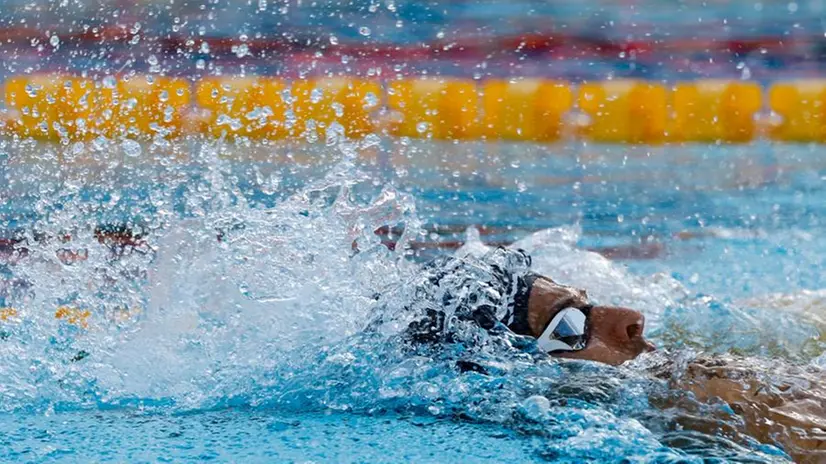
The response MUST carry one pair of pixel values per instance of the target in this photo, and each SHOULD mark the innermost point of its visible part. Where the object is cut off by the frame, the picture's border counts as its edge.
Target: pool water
(250, 348)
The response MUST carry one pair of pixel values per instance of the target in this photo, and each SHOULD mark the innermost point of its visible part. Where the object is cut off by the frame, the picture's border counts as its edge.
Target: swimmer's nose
(622, 328)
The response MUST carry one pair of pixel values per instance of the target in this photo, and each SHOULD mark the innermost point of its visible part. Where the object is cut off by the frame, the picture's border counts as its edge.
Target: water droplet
(365, 31)
(334, 134)
(54, 40)
(204, 48)
(371, 140)
(152, 60)
(109, 82)
(242, 50)
(316, 95)
(259, 114)
(77, 148)
(370, 100)
(131, 148)
(333, 40)
(536, 408)
(338, 109)
(422, 127)
(311, 134)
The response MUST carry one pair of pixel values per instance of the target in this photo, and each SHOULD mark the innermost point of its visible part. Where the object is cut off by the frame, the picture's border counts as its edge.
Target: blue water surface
(725, 223)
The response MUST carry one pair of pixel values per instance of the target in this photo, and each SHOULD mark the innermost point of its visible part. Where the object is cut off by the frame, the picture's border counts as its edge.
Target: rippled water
(235, 331)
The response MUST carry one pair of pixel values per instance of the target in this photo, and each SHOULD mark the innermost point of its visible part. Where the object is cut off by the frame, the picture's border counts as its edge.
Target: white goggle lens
(565, 332)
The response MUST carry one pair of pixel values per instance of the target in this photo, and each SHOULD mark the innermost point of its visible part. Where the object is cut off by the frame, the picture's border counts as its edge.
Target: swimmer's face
(615, 335)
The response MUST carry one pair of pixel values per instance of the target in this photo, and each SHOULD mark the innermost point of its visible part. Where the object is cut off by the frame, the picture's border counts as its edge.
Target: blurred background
(652, 39)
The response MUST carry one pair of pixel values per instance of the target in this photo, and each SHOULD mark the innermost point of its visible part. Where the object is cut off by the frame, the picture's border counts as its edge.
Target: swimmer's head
(566, 325)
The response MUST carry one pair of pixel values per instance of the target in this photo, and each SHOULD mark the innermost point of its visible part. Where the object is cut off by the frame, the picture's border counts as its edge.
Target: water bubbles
(260, 114)
(77, 148)
(316, 95)
(271, 185)
(131, 148)
(311, 131)
(370, 140)
(334, 134)
(371, 100)
(204, 48)
(290, 118)
(364, 31)
(109, 82)
(241, 50)
(32, 89)
(54, 41)
(152, 60)
(536, 408)
(168, 114)
(233, 123)
(422, 127)
(333, 40)
(338, 109)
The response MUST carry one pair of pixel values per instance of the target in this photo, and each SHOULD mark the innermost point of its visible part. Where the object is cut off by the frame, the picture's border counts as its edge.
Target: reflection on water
(251, 294)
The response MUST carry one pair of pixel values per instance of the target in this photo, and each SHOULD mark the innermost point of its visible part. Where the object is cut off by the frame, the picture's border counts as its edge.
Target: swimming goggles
(567, 331)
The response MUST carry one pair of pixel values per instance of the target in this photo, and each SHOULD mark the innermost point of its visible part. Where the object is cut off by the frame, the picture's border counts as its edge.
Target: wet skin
(615, 334)
(789, 415)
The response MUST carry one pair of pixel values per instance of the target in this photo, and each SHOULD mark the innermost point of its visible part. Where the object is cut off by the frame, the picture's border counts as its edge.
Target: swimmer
(474, 301)
(498, 293)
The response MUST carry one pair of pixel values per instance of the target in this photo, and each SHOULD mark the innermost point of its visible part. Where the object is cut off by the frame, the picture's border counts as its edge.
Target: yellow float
(442, 109)
(63, 108)
(715, 111)
(142, 106)
(524, 110)
(800, 107)
(623, 111)
(50, 107)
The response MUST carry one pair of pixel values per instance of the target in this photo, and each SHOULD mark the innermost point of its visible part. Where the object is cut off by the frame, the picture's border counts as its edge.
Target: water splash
(233, 304)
